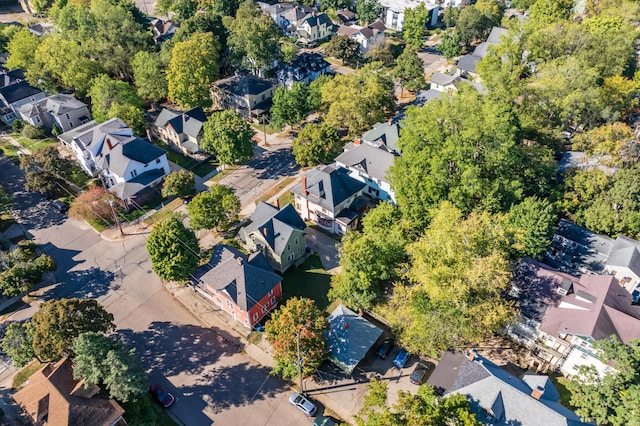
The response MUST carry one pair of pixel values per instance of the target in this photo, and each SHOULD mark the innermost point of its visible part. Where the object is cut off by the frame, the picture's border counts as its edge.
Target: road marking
(259, 389)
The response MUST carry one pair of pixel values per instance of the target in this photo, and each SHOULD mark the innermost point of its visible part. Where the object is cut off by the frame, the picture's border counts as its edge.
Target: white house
(445, 83)
(315, 27)
(65, 111)
(367, 37)
(393, 12)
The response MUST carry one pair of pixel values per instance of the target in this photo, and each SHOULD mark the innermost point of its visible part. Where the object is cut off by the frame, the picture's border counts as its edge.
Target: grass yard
(33, 144)
(9, 150)
(205, 167)
(286, 198)
(146, 411)
(25, 373)
(78, 177)
(260, 129)
(200, 168)
(274, 191)
(560, 383)
(149, 205)
(167, 210)
(223, 173)
(308, 280)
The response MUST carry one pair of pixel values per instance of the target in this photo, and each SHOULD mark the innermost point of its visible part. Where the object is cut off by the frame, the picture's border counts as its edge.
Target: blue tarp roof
(349, 337)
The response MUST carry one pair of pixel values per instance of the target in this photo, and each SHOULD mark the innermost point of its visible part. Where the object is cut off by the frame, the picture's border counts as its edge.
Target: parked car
(385, 348)
(420, 372)
(303, 404)
(60, 206)
(401, 359)
(324, 421)
(162, 396)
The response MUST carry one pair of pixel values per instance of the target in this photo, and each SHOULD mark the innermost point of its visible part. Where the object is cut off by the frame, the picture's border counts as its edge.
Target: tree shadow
(88, 283)
(280, 161)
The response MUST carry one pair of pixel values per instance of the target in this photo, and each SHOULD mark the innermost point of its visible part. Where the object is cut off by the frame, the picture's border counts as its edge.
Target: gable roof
(383, 133)
(314, 19)
(243, 85)
(494, 38)
(349, 337)
(55, 105)
(275, 225)
(8, 78)
(328, 186)
(118, 151)
(52, 393)
(468, 63)
(625, 253)
(371, 161)
(443, 79)
(190, 122)
(18, 91)
(279, 8)
(244, 279)
(488, 387)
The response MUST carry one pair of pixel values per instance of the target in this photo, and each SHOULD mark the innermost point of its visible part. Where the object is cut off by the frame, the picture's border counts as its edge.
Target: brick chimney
(304, 186)
(357, 141)
(537, 392)
(472, 355)
(109, 144)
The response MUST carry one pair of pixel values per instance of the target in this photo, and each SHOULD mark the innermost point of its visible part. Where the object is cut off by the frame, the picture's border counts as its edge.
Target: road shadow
(88, 283)
(270, 163)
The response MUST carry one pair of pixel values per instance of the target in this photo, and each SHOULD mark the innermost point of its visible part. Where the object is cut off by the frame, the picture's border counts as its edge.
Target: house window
(68, 117)
(229, 304)
(291, 256)
(218, 301)
(255, 317)
(157, 161)
(273, 300)
(583, 355)
(266, 304)
(575, 367)
(264, 309)
(271, 292)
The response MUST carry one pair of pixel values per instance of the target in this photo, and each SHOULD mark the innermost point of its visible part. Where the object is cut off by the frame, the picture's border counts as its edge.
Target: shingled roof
(244, 279)
(275, 225)
(367, 159)
(328, 186)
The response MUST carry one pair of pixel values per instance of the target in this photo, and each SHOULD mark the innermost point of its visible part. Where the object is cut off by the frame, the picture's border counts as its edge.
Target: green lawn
(78, 177)
(560, 383)
(9, 150)
(25, 373)
(205, 167)
(146, 411)
(136, 213)
(200, 168)
(33, 144)
(308, 280)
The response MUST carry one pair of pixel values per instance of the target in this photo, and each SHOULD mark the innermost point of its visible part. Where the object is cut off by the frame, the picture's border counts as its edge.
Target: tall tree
(106, 92)
(132, 115)
(92, 205)
(415, 25)
(17, 343)
(203, 22)
(151, 83)
(344, 48)
(44, 168)
(612, 400)
(299, 319)
(194, 66)
(533, 222)
(450, 45)
(57, 323)
(368, 11)
(22, 49)
(216, 208)
(228, 137)
(472, 25)
(253, 38)
(173, 249)
(607, 141)
(316, 143)
(451, 14)
(290, 106)
(180, 183)
(101, 360)
(409, 71)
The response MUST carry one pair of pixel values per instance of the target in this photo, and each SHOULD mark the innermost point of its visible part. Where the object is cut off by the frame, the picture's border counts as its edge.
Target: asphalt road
(204, 368)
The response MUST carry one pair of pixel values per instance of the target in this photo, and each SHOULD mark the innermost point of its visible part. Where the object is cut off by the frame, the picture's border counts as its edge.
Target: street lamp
(299, 363)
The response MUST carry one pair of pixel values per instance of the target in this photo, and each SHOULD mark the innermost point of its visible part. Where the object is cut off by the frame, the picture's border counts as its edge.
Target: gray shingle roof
(329, 186)
(276, 226)
(489, 387)
(468, 63)
(243, 84)
(244, 279)
(625, 253)
(123, 150)
(384, 133)
(443, 79)
(367, 159)
(190, 122)
(55, 105)
(18, 91)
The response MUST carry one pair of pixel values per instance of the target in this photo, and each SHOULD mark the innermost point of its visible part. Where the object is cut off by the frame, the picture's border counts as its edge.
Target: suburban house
(14, 95)
(303, 68)
(163, 30)
(577, 250)
(346, 16)
(182, 131)
(64, 111)
(53, 397)
(277, 13)
(40, 28)
(248, 95)
(367, 37)
(496, 34)
(393, 12)
(293, 17)
(131, 167)
(278, 234)
(499, 398)
(561, 316)
(349, 338)
(369, 164)
(7, 78)
(245, 287)
(330, 198)
(315, 27)
(466, 67)
(444, 83)
(384, 135)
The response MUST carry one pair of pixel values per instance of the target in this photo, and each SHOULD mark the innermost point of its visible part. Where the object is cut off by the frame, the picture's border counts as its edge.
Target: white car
(303, 404)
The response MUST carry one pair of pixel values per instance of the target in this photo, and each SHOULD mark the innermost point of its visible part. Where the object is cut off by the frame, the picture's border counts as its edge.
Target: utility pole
(113, 210)
(299, 362)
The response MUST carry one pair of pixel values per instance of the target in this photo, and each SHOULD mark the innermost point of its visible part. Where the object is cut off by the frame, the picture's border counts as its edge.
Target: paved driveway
(432, 59)
(326, 247)
(204, 367)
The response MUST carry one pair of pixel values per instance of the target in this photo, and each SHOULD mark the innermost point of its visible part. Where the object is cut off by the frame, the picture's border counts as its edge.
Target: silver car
(303, 404)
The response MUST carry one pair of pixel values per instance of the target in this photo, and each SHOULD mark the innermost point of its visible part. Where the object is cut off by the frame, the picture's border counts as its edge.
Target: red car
(163, 397)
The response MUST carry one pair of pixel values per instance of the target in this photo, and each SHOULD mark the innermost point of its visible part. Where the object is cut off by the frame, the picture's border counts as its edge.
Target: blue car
(402, 358)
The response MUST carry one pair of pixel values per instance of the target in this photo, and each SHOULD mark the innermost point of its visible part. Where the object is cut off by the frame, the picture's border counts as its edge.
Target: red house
(243, 286)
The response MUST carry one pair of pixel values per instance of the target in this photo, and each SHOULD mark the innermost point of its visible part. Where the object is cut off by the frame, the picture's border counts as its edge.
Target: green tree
(101, 360)
(358, 100)
(221, 7)
(458, 271)
(409, 71)
(544, 12)
(216, 208)
(289, 51)
(612, 400)
(344, 48)
(450, 45)
(253, 38)
(57, 323)
(22, 49)
(92, 205)
(370, 258)
(472, 25)
(421, 408)
(522, 4)
(19, 274)
(180, 183)
(492, 9)
(533, 222)
(314, 100)
(173, 249)
(607, 140)
(193, 67)
(17, 343)
(290, 106)
(106, 92)
(316, 143)
(335, 4)
(451, 15)
(203, 22)
(151, 83)
(43, 169)
(228, 137)
(132, 116)
(415, 26)
(367, 11)
(299, 317)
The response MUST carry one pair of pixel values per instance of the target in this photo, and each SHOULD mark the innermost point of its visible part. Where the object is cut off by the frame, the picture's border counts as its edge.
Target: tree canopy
(173, 249)
(57, 323)
(344, 48)
(150, 80)
(17, 343)
(290, 106)
(180, 183)
(298, 316)
(316, 143)
(415, 25)
(533, 223)
(216, 208)
(228, 137)
(368, 11)
(409, 71)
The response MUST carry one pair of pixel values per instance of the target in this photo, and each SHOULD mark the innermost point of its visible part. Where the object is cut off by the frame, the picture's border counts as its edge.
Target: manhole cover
(148, 271)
